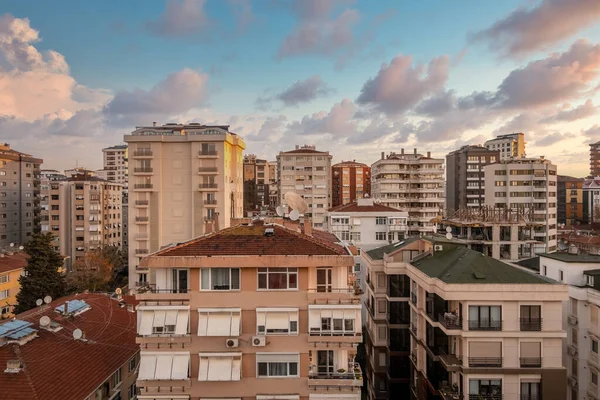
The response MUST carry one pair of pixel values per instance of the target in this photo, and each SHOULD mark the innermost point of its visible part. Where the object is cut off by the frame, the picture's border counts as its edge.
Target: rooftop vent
(269, 232)
(479, 275)
(13, 367)
(573, 249)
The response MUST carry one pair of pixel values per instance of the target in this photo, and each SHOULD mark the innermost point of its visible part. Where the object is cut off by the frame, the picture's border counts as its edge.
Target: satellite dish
(39, 302)
(448, 236)
(47, 299)
(296, 202)
(562, 245)
(77, 334)
(21, 248)
(448, 229)
(45, 321)
(279, 211)
(294, 215)
(118, 291)
(12, 245)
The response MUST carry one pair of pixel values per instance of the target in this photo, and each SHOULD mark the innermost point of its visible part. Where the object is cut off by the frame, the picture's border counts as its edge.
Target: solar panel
(21, 333)
(74, 306)
(16, 329)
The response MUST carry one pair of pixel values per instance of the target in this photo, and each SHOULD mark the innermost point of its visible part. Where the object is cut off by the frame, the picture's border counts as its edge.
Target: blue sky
(238, 51)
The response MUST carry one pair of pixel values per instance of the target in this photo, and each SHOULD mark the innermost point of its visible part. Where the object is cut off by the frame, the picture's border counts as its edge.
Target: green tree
(42, 277)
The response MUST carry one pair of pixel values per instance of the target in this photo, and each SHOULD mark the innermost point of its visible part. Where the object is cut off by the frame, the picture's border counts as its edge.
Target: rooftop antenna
(45, 321)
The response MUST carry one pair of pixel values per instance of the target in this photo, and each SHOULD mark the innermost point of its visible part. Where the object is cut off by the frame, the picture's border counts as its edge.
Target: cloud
(592, 133)
(181, 18)
(438, 104)
(270, 131)
(338, 121)
(299, 92)
(398, 86)
(569, 115)
(552, 138)
(551, 21)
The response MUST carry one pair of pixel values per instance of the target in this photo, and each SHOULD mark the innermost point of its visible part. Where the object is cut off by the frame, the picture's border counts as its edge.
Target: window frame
(287, 363)
(210, 286)
(289, 271)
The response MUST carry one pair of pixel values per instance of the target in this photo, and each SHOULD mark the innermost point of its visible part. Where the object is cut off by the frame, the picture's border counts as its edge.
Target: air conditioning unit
(572, 320)
(232, 343)
(259, 341)
(438, 247)
(572, 351)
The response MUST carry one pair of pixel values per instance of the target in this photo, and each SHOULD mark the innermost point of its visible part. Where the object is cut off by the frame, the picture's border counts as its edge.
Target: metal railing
(450, 322)
(142, 186)
(354, 372)
(207, 185)
(349, 290)
(485, 325)
(331, 332)
(142, 169)
(207, 153)
(142, 153)
(142, 202)
(207, 169)
(141, 251)
(485, 361)
(210, 202)
(531, 324)
(530, 362)
(486, 396)
(141, 219)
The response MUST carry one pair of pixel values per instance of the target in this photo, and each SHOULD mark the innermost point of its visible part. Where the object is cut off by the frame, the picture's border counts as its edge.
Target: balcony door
(324, 279)
(180, 280)
(325, 362)
(530, 390)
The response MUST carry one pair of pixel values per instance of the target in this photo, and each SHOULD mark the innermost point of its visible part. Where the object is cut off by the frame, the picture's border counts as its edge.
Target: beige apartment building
(257, 179)
(116, 162)
(526, 184)
(19, 196)
(185, 181)
(509, 146)
(83, 212)
(412, 183)
(254, 311)
(307, 172)
(479, 328)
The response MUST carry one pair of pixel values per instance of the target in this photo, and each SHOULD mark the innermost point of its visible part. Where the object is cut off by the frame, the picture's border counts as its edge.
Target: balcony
(530, 324)
(142, 202)
(493, 362)
(351, 378)
(150, 292)
(204, 186)
(146, 170)
(328, 295)
(141, 251)
(485, 325)
(212, 202)
(142, 153)
(142, 219)
(450, 321)
(204, 170)
(143, 186)
(450, 393)
(449, 360)
(207, 154)
(530, 362)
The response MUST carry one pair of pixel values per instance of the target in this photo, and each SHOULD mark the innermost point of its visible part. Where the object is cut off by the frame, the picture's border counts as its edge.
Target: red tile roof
(250, 240)
(304, 151)
(57, 367)
(354, 163)
(354, 207)
(13, 262)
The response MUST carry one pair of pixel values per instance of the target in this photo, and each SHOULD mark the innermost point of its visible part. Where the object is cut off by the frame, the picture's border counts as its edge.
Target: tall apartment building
(595, 159)
(257, 178)
(83, 212)
(472, 327)
(571, 202)
(526, 183)
(116, 164)
(581, 313)
(465, 181)
(19, 195)
(349, 181)
(250, 312)
(412, 183)
(185, 181)
(306, 172)
(591, 199)
(509, 146)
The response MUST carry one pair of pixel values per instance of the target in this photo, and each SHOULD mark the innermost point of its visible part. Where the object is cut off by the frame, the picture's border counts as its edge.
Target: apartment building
(82, 212)
(186, 181)
(78, 347)
(465, 179)
(582, 273)
(572, 208)
(116, 164)
(349, 181)
(595, 159)
(257, 179)
(12, 265)
(509, 146)
(256, 311)
(528, 183)
(19, 195)
(307, 172)
(591, 198)
(472, 327)
(412, 183)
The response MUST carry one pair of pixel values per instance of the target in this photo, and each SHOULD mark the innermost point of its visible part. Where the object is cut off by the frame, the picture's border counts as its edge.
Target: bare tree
(93, 272)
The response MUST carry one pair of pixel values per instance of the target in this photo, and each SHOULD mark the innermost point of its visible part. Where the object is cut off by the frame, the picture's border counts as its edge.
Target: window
(594, 378)
(171, 321)
(220, 279)
(325, 321)
(594, 346)
(277, 278)
(382, 332)
(561, 275)
(277, 321)
(380, 220)
(4, 294)
(270, 365)
(357, 268)
(483, 387)
(4, 278)
(544, 271)
(531, 318)
(164, 366)
(116, 379)
(132, 392)
(531, 390)
(220, 367)
(4, 310)
(219, 321)
(380, 236)
(382, 306)
(132, 364)
(355, 236)
(485, 318)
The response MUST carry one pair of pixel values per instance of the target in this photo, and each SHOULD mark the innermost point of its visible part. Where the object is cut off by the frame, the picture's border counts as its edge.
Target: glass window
(277, 278)
(220, 279)
(485, 318)
(595, 346)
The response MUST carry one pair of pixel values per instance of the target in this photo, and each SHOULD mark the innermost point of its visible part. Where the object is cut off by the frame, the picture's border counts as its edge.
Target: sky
(352, 77)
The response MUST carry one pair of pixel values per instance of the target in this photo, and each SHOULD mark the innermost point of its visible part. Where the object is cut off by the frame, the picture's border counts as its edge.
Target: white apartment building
(116, 164)
(412, 183)
(509, 146)
(306, 172)
(591, 202)
(581, 313)
(475, 327)
(186, 180)
(526, 184)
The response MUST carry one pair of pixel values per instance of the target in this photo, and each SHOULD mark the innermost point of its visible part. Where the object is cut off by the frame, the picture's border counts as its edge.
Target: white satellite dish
(45, 321)
(296, 202)
(47, 299)
(448, 229)
(448, 236)
(118, 291)
(279, 211)
(39, 302)
(77, 334)
(294, 215)
(21, 248)
(12, 245)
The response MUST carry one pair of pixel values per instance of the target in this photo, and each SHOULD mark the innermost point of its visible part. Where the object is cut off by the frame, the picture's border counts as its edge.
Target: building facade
(12, 265)
(349, 181)
(530, 184)
(307, 172)
(116, 164)
(447, 322)
(19, 195)
(595, 159)
(257, 179)
(412, 183)
(186, 180)
(82, 213)
(256, 311)
(509, 146)
(571, 202)
(465, 181)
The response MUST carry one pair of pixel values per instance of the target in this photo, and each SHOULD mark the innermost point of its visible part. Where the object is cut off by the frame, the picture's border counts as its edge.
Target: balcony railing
(485, 325)
(485, 397)
(450, 321)
(348, 290)
(485, 362)
(142, 202)
(151, 288)
(531, 324)
(207, 185)
(142, 186)
(142, 153)
(141, 251)
(207, 153)
(142, 169)
(354, 372)
(141, 219)
(530, 362)
(210, 202)
(207, 169)
(320, 332)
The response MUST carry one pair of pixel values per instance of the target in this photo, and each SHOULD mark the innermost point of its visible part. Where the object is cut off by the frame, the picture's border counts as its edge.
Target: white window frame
(287, 358)
(327, 317)
(4, 278)
(266, 271)
(293, 316)
(380, 220)
(164, 329)
(4, 294)
(210, 289)
(233, 356)
(381, 236)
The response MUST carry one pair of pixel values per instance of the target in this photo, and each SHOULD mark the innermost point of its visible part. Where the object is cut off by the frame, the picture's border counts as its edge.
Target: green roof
(578, 258)
(459, 265)
(379, 252)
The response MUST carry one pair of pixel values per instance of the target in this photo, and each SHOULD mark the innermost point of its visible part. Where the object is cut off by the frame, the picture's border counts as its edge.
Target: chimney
(383, 155)
(66, 307)
(415, 151)
(154, 124)
(428, 154)
(307, 226)
(216, 223)
(401, 151)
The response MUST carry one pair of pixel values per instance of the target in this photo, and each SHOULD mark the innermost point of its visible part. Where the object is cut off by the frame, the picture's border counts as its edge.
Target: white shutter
(315, 319)
(277, 357)
(338, 314)
(236, 369)
(219, 369)
(181, 327)
(171, 317)
(159, 318)
(235, 324)
(164, 364)
(147, 367)
(202, 323)
(278, 320)
(203, 369)
(219, 324)
(146, 318)
(181, 363)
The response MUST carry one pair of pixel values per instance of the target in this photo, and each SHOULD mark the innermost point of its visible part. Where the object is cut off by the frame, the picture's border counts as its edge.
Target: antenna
(77, 334)
(279, 210)
(45, 321)
(296, 202)
(47, 299)
(39, 302)
(294, 215)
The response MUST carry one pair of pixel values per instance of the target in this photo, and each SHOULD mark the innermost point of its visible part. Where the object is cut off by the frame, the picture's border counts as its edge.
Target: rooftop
(13, 262)
(575, 258)
(355, 207)
(117, 147)
(305, 151)
(378, 253)
(56, 366)
(350, 163)
(249, 240)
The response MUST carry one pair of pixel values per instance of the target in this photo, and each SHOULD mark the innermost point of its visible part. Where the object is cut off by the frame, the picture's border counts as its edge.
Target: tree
(92, 272)
(42, 277)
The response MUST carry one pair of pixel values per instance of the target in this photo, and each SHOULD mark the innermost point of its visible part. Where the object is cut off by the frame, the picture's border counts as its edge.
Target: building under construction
(501, 233)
